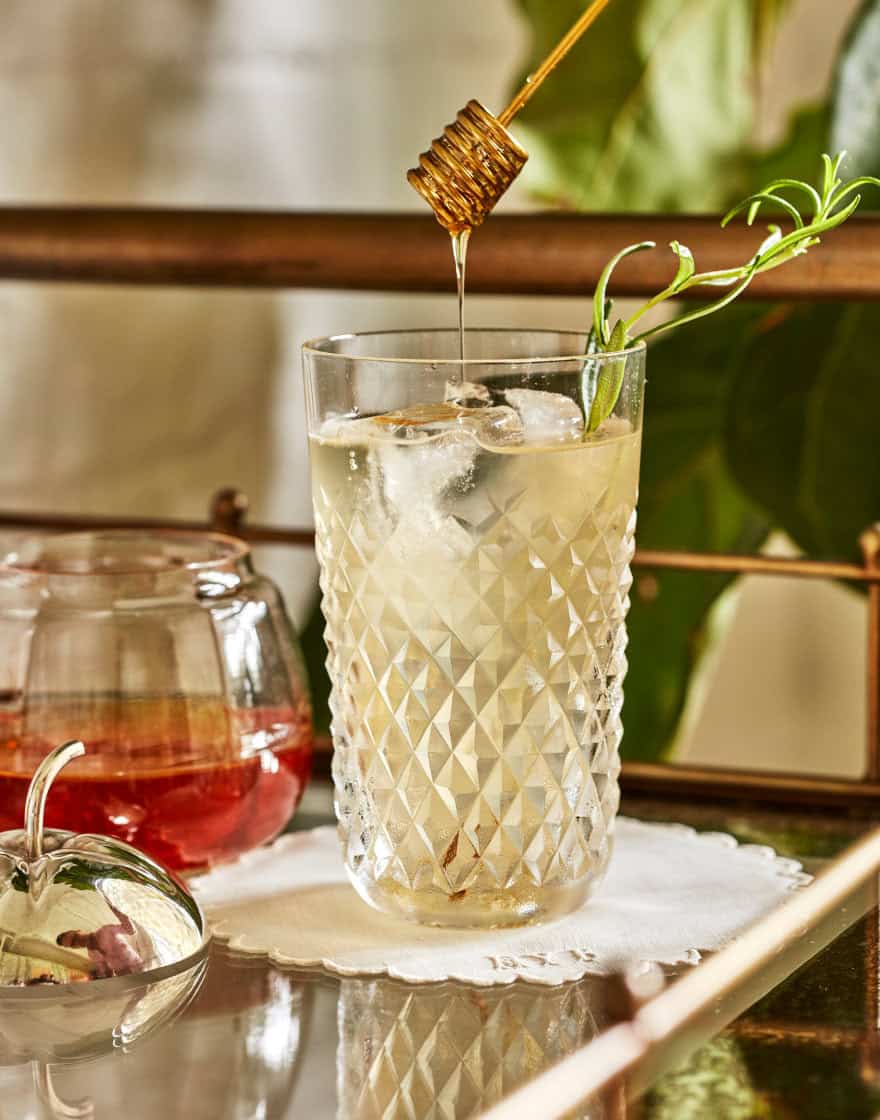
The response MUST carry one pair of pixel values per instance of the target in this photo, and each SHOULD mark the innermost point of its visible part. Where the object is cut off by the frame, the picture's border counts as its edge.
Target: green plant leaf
(651, 111)
(608, 381)
(601, 303)
(831, 205)
(590, 372)
(855, 118)
(687, 501)
(686, 265)
(314, 652)
(801, 434)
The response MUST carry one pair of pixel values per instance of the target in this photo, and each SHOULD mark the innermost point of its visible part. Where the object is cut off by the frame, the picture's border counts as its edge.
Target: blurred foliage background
(764, 417)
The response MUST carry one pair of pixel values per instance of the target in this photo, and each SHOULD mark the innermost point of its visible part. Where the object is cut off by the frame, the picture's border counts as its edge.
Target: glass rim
(314, 346)
(230, 550)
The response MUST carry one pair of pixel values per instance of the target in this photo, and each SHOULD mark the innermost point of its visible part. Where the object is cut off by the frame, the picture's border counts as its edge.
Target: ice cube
(467, 393)
(547, 417)
(427, 471)
(339, 427)
(423, 454)
(422, 475)
(497, 426)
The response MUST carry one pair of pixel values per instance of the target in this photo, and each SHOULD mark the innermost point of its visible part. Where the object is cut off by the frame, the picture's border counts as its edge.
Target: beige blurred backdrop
(145, 401)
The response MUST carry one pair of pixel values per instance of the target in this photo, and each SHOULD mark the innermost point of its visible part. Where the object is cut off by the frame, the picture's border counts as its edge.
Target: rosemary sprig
(827, 206)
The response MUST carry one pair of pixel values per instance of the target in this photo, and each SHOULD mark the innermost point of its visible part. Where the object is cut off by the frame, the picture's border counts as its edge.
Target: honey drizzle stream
(460, 240)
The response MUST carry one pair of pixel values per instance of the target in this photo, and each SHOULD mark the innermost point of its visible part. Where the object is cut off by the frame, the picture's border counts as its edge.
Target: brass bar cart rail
(227, 514)
(527, 254)
(535, 254)
(532, 254)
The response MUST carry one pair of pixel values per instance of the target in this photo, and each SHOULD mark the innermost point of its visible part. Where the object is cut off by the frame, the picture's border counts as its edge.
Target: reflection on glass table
(233, 1052)
(452, 1049)
(258, 1043)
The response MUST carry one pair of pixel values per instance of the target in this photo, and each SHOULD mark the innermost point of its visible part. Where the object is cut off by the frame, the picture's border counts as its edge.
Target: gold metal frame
(530, 254)
(536, 255)
(639, 779)
(625, 1060)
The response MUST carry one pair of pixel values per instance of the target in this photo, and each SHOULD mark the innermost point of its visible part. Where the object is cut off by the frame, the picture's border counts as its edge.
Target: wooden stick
(535, 79)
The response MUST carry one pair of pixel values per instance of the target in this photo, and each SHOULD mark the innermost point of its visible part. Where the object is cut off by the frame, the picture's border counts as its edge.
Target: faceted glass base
(486, 909)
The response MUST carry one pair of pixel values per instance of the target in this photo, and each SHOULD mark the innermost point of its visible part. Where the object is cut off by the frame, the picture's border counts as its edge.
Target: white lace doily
(669, 893)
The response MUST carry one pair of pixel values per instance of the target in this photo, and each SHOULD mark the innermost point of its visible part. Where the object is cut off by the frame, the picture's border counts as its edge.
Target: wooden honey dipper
(469, 167)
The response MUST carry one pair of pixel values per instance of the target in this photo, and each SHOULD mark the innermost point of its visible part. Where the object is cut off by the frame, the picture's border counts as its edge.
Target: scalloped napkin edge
(670, 895)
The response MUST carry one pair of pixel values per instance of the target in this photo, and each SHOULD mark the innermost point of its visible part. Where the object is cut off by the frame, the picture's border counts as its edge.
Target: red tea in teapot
(188, 781)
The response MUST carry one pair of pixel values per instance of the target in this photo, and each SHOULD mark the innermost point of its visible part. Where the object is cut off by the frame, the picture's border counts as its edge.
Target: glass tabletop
(258, 1042)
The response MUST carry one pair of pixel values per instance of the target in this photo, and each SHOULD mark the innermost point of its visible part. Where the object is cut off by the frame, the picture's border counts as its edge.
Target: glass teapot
(176, 665)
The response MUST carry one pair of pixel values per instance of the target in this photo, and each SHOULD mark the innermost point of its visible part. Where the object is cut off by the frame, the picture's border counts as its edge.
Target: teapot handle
(38, 791)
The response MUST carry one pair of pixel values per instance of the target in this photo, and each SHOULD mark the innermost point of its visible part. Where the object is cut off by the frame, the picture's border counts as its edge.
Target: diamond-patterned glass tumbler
(474, 541)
